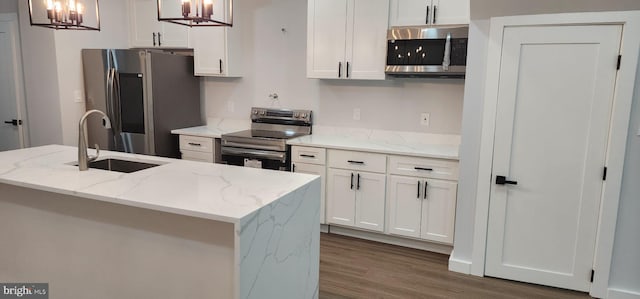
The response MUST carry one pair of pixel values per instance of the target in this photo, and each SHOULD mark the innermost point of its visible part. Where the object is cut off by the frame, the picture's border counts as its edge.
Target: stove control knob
(262, 112)
(255, 112)
(296, 115)
(304, 115)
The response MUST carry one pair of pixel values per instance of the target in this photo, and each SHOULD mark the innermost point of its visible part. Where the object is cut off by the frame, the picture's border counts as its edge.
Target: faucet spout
(83, 157)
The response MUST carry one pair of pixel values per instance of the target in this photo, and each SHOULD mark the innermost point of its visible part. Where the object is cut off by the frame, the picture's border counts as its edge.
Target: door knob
(15, 122)
(501, 180)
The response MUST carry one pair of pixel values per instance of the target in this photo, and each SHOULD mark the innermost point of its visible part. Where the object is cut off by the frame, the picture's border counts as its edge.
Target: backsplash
(276, 63)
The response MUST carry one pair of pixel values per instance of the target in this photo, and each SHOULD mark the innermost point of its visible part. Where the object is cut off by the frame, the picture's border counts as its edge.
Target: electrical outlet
(230, 106)
(356, 114)
(424, 119)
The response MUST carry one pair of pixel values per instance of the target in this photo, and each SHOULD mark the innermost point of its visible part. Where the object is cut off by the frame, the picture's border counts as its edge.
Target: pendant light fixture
(194, 13)
(65, 14)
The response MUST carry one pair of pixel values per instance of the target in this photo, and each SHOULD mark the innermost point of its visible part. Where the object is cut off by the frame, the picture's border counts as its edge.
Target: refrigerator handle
(117, 122)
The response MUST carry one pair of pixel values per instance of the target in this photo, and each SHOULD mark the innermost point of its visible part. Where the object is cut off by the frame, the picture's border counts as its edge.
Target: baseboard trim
(378, 237)
(460, 266)
(324, 228)
(622, 294)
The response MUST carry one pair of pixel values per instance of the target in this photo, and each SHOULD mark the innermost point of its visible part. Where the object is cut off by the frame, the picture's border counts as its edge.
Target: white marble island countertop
(211, 191)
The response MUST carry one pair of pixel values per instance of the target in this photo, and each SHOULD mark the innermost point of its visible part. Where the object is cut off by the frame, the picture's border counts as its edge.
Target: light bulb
(58, 7)
(49, 4)
(79, 8)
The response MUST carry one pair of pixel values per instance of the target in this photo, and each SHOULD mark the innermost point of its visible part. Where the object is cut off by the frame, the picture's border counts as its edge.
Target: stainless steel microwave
(427, 51)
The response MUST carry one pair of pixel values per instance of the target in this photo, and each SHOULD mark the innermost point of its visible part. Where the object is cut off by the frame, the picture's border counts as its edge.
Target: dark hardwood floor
(354, 268)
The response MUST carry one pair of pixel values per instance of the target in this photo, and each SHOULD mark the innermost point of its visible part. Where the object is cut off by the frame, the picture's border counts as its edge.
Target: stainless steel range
(264, 146)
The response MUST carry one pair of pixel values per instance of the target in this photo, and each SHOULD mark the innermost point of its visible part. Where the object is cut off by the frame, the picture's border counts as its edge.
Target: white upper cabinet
(346, 39)
(217, 51)
(145, 31)
(428, 12)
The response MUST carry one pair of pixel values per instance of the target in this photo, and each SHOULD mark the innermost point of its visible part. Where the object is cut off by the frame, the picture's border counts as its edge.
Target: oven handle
(252, 145)
(252, 153)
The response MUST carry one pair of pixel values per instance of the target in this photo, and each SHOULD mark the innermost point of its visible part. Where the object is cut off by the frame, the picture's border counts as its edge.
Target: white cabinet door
(209, 51)
(543, 229)
(326, 38)
(428, 12)
(450, 12)
(410, 12)
(143, 23)
(438, 210)
(370, 195)
(146, 31)
(341, 199)
(317, 170)
(405, 205)
(367, 49)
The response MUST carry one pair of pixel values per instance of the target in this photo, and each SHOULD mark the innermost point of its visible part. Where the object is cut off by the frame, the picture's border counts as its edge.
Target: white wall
(40, 74)
(8, 6)
(276, 62)
(625, 272)
(68, 44)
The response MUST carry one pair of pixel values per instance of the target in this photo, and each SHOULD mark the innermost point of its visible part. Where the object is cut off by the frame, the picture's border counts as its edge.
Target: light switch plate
(638, 131)
(356, 114)
(77, 96)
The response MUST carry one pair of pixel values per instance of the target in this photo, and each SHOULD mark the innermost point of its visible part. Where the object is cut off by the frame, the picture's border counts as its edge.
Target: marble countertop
(211, 191)
(215, 128)
(441, 146)
(383, 141)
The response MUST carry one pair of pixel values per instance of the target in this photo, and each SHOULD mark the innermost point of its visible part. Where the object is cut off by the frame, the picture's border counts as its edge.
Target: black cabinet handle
(307, 156)
(418, 195)
(427, 20)
(347, 69)
(220, 66)
(154, 39)
(159, 39)
(424, 194)
(501, 180)
(293, 167)
(195, 144)
(422, 168)
(15, 122)
(355, 162)
(339, 69)
(351, 181)
(435, 12)
(358, 184)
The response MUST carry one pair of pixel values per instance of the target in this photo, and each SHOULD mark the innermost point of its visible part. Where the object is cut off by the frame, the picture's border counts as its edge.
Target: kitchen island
(179, 230)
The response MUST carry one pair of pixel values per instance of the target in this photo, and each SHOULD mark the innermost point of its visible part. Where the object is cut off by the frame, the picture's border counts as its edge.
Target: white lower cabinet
(356, 199)
(197, 148)
(316, 170)
(422, 208)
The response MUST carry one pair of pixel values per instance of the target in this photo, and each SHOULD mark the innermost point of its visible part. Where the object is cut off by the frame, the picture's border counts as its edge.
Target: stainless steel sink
(118, 165)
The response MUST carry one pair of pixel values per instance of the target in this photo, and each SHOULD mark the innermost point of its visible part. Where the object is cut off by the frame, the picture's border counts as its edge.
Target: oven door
(256, 158)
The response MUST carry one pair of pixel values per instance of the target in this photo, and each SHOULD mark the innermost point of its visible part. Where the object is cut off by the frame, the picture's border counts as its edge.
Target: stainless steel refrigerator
(146, 94)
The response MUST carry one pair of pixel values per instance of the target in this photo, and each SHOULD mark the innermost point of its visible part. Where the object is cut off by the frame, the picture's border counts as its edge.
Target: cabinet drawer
(195, 143)
(311, 155)
(197, 156)
(357, 161)
(424, 167)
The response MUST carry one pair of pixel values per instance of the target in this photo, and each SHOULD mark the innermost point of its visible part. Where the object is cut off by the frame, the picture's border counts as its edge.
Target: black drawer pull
(418, 196)
(195, 144)
(425, 190)
(356, 162)
(307, 156)
(358, 185)
(422, 168)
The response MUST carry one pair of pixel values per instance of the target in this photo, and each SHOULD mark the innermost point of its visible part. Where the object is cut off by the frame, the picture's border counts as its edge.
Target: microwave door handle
(446, 61)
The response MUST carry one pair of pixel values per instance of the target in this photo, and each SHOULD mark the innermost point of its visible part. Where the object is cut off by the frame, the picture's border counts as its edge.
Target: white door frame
(623, 96)
(12, 19)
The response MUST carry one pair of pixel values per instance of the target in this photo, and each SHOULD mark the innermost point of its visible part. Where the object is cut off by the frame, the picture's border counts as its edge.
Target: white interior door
(554, 105)
(10, 88)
